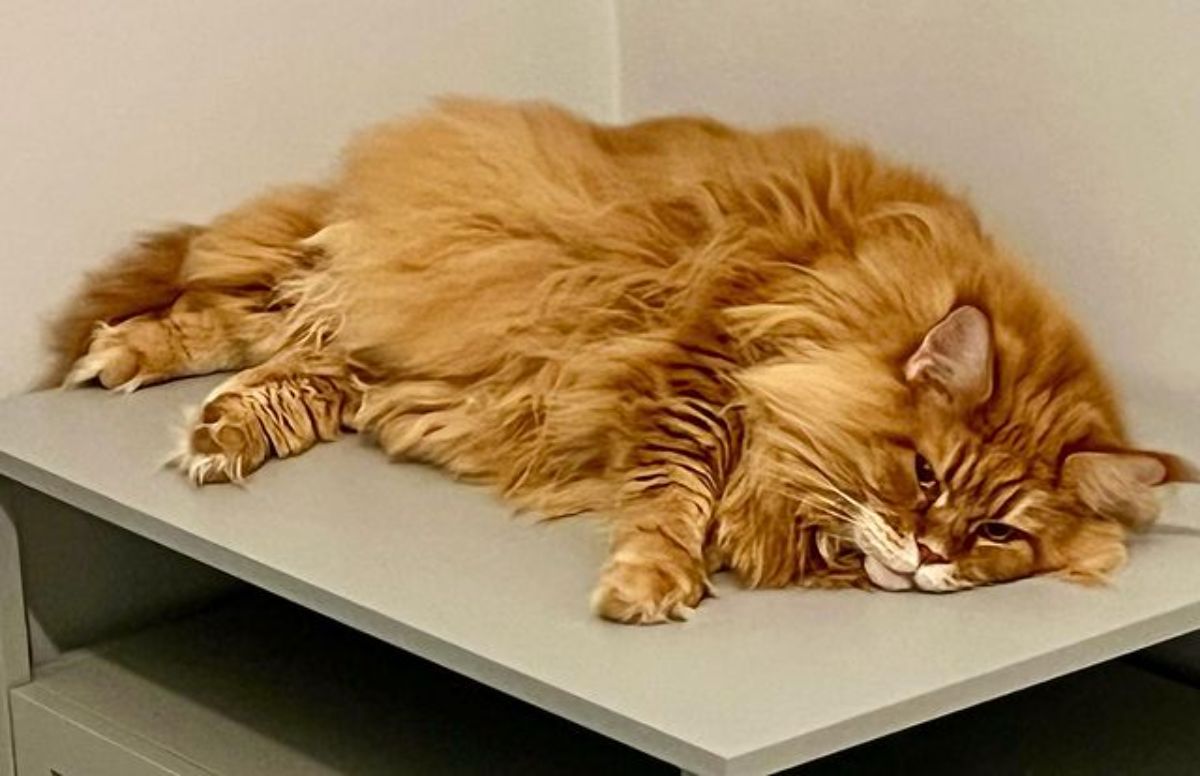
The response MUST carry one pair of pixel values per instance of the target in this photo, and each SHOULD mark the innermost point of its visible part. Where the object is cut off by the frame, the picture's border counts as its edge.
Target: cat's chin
(884, 578)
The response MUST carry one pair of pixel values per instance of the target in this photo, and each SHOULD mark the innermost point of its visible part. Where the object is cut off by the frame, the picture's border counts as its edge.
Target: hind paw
(121, 357)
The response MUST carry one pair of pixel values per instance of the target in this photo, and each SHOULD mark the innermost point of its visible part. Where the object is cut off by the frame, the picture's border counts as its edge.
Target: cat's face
(984, 488)
(959, 510)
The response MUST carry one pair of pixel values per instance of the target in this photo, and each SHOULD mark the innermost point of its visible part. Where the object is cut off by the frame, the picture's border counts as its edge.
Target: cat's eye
(995, 531)
(926, 476)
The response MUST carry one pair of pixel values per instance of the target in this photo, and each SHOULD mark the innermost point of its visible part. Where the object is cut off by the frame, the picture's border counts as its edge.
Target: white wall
(1073, 124)
(126, 115)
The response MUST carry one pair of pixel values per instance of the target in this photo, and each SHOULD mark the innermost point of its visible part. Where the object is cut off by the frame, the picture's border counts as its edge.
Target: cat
(767, 352)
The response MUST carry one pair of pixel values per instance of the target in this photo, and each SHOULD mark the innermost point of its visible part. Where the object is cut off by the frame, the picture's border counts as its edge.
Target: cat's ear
(955, 359)
(1117, 484)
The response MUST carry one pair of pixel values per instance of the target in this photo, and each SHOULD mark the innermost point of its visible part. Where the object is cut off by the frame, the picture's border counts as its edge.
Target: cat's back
(509, 150)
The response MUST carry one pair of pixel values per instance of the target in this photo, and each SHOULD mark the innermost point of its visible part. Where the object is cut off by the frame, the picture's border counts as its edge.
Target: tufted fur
(734, 344)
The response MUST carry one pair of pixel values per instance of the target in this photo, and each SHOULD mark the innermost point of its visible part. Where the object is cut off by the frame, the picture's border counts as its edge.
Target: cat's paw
(226, 443)
(122, 357)
(646, 591)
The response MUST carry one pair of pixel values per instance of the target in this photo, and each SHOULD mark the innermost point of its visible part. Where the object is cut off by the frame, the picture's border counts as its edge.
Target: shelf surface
(757, 681)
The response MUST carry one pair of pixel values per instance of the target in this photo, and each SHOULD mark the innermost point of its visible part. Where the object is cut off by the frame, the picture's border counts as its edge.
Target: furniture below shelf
(255, 685)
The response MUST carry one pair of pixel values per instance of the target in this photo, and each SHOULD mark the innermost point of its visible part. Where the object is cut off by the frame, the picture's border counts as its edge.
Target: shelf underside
(256, 685)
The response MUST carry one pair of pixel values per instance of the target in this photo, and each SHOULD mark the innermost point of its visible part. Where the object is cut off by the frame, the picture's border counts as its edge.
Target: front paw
(226, 443)
(646, 591)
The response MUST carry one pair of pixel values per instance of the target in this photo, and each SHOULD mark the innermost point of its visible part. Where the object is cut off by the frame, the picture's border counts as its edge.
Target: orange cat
(767, 352)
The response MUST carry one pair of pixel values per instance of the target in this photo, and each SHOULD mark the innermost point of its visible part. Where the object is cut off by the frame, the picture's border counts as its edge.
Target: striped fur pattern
(769, 352)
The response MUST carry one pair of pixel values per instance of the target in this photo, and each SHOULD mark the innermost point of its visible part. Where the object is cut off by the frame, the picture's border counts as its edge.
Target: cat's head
(948, 473)
(1002, 480)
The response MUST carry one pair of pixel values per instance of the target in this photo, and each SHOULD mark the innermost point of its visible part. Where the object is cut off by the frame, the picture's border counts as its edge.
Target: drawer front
(52, 738)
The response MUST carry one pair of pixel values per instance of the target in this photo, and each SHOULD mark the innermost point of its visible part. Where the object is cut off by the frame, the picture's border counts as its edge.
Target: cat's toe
(647, 592)
(225, 445)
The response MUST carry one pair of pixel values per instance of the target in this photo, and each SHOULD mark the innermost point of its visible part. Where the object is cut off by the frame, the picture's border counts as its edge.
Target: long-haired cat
(765, 352)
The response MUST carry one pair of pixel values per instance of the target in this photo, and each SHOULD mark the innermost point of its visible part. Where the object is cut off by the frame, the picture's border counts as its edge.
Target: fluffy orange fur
(769, 352)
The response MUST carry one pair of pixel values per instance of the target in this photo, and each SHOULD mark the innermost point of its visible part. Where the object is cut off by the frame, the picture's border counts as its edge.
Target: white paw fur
(640, 592)
(108, 359)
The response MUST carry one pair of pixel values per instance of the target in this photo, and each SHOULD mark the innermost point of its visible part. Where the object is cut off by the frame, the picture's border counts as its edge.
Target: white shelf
(757, 682)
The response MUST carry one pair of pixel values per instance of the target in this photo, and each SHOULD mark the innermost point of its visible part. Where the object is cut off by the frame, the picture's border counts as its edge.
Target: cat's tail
(144, 277)
(211, 291)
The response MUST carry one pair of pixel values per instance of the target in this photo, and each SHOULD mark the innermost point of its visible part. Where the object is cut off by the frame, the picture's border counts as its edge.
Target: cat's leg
(657, 569)
(201, 333)
(279, 408)
(192, 300)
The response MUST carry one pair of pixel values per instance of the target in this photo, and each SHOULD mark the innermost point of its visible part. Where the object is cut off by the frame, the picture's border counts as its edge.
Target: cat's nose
(928, 555)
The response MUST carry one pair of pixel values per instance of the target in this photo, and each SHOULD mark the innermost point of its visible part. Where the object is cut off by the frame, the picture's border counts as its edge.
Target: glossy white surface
(756, 682)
